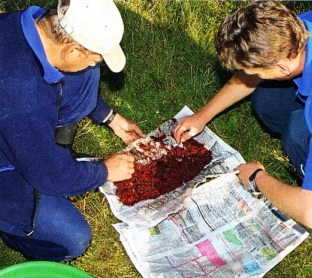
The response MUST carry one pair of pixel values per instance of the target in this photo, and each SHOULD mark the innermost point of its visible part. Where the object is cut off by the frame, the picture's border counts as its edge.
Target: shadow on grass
(166, 69)
(165, 66)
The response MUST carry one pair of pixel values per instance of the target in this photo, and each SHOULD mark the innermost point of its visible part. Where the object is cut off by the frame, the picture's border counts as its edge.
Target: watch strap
(252, 182)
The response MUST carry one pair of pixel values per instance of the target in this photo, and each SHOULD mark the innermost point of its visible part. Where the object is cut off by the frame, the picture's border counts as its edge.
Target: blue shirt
(304, 92)
(35, 99)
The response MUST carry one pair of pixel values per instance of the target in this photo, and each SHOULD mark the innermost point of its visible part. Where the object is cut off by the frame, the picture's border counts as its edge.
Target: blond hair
(260, 34)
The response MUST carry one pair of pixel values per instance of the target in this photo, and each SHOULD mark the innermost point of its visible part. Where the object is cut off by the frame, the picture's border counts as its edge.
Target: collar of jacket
(28, 17)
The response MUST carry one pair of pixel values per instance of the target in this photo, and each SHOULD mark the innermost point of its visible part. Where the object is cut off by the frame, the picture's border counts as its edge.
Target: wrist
(204, 116)
(252, 180)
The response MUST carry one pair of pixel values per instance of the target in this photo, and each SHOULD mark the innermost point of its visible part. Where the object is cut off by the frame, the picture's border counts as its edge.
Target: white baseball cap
(97, 25)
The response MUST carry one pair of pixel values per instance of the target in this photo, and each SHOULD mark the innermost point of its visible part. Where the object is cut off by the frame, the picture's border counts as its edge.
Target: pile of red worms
(164, 174)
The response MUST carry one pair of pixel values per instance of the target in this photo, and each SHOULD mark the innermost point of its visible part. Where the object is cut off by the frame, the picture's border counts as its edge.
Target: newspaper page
(223, 231)
(148, 213)
(211, 226)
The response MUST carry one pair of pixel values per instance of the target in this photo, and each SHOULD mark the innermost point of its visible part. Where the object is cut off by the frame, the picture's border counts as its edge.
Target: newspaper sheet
(150, 212)
(223, 231)
(209, 227)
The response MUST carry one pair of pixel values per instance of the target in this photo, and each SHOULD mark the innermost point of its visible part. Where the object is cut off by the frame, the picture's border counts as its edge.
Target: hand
(188, 127)
(126, 129)
(245, 171)
(119, 166)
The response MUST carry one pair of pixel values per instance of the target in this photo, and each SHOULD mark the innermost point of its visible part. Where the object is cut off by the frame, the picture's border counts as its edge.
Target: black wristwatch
(252, 182)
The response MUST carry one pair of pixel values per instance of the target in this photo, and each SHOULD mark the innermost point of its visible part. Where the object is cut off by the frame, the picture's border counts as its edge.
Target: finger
(193, 131)
(127, 157)
(138, 131)
(128, 138)
(187, 134)
(178, 133)
(131, 169)
(131, 137)
(178, 126)
(130, 159)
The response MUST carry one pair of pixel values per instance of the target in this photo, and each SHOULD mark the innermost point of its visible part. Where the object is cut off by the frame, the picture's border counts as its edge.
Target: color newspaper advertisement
(210, 226)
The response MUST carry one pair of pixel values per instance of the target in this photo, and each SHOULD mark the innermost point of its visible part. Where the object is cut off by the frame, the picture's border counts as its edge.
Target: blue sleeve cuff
(100, 112)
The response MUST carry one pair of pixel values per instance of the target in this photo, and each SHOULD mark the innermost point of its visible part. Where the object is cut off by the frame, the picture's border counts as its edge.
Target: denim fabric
(60, 232)
(276, 106)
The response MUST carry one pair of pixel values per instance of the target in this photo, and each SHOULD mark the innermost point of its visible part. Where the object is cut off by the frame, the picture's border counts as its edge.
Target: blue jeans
(279, 110)
(60, 232)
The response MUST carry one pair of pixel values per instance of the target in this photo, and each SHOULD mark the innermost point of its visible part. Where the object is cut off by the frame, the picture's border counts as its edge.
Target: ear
(71, 51)
(284, 67)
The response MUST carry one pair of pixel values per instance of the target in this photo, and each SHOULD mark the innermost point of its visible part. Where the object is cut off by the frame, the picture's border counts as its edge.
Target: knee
(290, 139)
(53, 247)
(296, 139)
(296, 135)
(259, 106)
(68, 242)
(257, 102)
(77, 240)
(294, 143)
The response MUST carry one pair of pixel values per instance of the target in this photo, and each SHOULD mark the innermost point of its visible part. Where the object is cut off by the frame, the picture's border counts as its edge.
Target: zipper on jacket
(60, 101)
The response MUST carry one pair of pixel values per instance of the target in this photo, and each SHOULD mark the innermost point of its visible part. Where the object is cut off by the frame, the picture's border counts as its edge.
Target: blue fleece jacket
(35, 99)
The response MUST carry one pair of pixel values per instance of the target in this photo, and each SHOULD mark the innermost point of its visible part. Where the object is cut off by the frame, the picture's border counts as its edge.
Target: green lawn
(171, 62)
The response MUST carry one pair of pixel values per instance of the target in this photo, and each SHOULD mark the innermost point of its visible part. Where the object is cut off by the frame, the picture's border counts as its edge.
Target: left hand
(245, 171)
(126, 129)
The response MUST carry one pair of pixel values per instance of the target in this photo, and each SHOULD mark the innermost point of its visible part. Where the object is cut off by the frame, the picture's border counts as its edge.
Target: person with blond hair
(271, 49)
(49, 78)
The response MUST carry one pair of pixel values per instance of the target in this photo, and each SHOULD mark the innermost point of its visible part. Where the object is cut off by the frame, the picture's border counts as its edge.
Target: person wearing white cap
(49, 77)
(97, 25)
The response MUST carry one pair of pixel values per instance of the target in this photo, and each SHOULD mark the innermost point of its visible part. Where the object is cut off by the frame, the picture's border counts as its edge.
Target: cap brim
(115, 60)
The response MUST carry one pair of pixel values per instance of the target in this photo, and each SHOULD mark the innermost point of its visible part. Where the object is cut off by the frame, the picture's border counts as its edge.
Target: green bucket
(42, 269)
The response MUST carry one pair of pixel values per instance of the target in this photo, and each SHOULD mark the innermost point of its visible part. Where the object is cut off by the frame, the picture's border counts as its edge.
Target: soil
(162, 174)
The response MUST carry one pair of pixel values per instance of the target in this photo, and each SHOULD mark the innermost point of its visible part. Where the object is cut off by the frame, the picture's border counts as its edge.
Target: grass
(171, 62)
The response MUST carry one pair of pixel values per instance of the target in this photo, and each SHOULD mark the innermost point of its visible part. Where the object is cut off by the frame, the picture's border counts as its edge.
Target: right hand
(188, 127)
(119, 166)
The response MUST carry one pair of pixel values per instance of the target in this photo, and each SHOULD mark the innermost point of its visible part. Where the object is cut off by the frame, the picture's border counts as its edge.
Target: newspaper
(150, 212)
(209, 227)
(223, 231)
